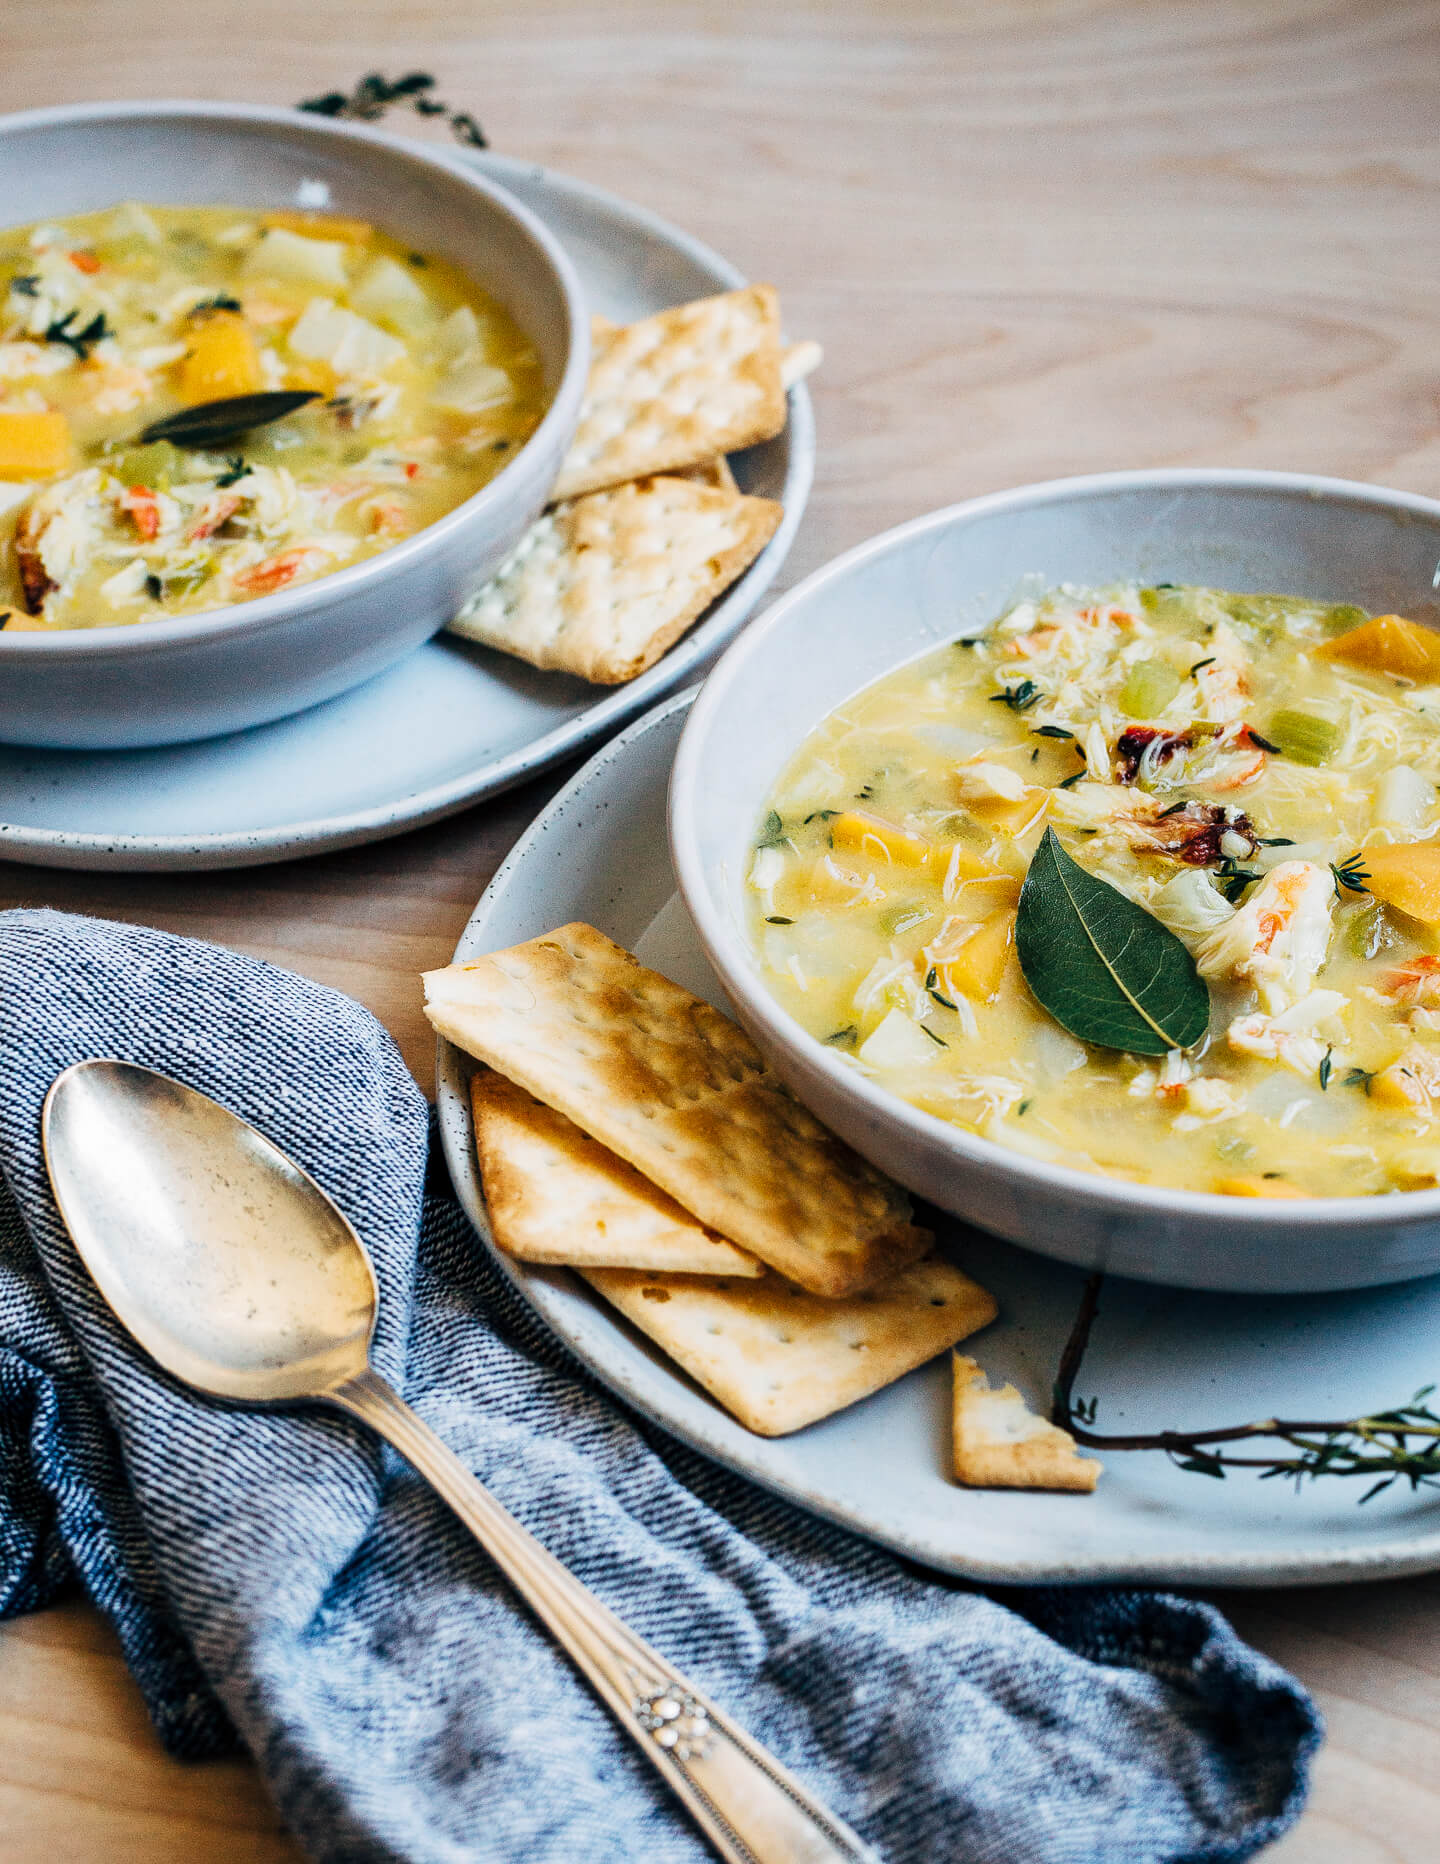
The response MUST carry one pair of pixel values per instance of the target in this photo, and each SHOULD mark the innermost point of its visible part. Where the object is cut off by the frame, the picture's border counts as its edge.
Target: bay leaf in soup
(1102, 966)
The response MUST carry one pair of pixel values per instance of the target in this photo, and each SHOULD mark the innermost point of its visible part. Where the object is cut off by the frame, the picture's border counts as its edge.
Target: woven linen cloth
(278, 1577)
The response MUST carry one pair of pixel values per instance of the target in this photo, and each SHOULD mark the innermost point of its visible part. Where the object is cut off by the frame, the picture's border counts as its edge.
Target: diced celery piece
(1303, 737)
(1260, 609)
(186, 578)
(1179, 605)
(1368, 931)
(1231, 1146)
(157, 465)
(1149, 687)
(1341, 617)
(901, 917)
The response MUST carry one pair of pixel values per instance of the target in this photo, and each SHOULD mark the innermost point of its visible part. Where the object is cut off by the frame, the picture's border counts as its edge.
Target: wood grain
(1036, 237)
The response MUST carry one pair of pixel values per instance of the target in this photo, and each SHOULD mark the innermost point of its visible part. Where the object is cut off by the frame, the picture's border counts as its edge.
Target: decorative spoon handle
(745, 1802)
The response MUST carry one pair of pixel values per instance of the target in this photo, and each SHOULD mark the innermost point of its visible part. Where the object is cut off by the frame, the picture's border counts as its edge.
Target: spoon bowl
(227, 1263)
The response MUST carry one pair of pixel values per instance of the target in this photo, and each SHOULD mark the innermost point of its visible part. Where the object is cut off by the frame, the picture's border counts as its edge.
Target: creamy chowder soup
(1258, 773)
(422, 388)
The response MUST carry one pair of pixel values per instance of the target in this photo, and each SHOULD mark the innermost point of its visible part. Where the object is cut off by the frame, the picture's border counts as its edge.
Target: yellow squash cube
(977, 969)
(1397, 1088)
(855, 831)
(1406, 875)
(222, 360)
(322, 226)
(1389, 644)
(34, 446)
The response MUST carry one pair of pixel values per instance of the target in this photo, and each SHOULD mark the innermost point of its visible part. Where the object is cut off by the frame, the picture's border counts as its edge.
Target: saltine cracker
(682, 1094)
(553, 1195)
(1001, 1444)
(601, 586)
(779, 1358)
(671, 390)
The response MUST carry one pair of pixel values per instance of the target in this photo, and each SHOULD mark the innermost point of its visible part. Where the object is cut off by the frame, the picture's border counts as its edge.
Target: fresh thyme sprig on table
(1388, 1445)
(374, 95)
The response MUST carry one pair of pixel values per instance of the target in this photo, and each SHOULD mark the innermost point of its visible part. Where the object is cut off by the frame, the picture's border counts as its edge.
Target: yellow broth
(109, 321)
(1215, 758)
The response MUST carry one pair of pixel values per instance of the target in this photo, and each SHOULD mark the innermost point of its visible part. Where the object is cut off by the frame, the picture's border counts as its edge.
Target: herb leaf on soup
(1103, 967)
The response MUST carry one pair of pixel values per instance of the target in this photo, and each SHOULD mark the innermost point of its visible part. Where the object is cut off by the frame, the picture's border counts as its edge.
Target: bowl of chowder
(277, 394)
(1075, 854)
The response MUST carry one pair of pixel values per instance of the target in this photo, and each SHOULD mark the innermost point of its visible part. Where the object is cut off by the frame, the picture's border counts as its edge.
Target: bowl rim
(285, 606)
(730, 956)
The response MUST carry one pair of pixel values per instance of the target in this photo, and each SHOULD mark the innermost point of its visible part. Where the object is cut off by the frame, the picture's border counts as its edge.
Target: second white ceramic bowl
(193, 676)
(891, 600)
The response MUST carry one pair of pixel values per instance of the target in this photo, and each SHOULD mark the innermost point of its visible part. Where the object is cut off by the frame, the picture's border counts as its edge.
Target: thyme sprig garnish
(207, 307)
(1019, 698)
(932, 989)
(1232, 879)
(772, 834)
(1387, 1445)
(82, 341)
(374, 95)
(1351, 876)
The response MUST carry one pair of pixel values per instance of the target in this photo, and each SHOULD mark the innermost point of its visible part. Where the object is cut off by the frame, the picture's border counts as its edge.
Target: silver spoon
(235, 1272)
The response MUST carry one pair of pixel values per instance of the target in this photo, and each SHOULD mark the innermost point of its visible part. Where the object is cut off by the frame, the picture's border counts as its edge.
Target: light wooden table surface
(1035, 239)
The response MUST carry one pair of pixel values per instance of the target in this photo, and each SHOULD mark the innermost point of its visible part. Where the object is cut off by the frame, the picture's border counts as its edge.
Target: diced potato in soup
(1260, 773)
(112, 321)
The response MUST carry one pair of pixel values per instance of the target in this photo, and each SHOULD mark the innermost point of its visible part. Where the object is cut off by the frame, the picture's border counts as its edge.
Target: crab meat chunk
(58, 533)
(1224, 685)
(981, 780)
(1278, 939)
(1206, 1100)
(1292, 1038)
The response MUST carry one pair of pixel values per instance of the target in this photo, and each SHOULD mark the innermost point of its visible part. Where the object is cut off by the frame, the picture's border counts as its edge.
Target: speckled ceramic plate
(451, 724)
(1159, 1358)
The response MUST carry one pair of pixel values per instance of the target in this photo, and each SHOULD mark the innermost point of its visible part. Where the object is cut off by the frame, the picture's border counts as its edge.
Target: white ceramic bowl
(891, 600)
(160, 682)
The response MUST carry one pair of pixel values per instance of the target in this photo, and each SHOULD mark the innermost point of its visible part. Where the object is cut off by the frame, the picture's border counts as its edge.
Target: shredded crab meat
(1294, 1036)
(1279, 938)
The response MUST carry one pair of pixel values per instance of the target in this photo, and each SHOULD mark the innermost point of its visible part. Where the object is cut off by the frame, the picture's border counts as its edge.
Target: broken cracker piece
(677, 388)
(779, 1358)
(603, 585)
(1001, 1444)
(682, 1094)
(797, 360)
(554, 1195)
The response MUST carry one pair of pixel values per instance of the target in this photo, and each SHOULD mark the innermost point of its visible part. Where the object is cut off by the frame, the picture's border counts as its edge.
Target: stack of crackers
(649, 526)
(626, 1129)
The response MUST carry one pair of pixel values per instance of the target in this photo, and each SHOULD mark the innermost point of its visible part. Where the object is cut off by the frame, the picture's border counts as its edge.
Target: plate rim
(97, 852)
(1328, 1563)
